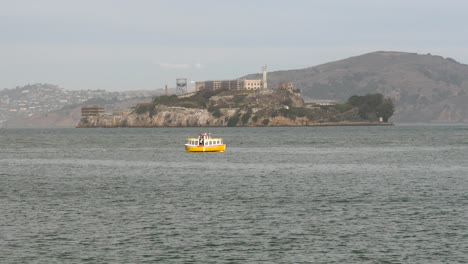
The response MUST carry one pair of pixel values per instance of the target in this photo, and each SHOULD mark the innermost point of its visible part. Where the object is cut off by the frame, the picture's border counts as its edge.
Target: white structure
(321, 102)
(264, 77)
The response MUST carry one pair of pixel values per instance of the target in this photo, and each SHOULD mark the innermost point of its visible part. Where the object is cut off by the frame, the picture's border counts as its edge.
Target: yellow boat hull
(217, 148)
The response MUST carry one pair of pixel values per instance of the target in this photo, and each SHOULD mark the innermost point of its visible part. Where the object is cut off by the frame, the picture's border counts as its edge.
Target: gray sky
(145, 44)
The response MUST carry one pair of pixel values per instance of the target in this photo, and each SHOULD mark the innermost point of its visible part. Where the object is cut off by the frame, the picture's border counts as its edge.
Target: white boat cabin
(205, 139)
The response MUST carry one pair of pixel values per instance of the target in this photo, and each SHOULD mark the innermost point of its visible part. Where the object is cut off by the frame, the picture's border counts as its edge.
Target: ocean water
(277, 195)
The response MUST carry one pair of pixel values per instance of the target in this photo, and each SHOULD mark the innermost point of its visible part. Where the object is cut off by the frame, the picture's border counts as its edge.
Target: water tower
(181, 87)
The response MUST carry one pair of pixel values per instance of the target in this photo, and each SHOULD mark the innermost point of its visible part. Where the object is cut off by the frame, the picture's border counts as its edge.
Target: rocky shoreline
(181, 117)
(231, 108)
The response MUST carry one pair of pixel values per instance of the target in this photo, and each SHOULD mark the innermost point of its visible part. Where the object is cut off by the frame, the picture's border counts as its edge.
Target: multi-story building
(238, 84)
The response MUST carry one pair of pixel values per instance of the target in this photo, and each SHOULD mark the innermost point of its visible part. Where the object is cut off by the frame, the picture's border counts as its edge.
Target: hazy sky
(145, 44)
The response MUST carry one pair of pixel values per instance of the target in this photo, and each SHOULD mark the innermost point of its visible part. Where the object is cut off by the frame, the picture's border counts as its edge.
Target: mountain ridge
(425, 88)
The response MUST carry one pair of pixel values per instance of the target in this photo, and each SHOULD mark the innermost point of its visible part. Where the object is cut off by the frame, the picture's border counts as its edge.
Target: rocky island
(223, 107)
(425, 88)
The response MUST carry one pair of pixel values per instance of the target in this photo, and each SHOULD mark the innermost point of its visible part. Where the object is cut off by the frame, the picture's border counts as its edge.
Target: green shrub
(233, 121)
(246, 116)
(343, 107)
(216, 107)
(294, 112)
(216, 113)
(284, 112)
(239, 98)
(188, 105)
(212, 109)
(166, 99)
(144, 108)
(373, 106)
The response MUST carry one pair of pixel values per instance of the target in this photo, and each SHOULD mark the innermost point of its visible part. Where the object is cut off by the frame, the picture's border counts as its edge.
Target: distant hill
(425, 88)
(48, 105)
(68, 116)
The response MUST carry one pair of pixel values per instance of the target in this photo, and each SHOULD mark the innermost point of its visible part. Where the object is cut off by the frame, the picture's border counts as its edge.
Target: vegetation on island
(373, 106)
(198, 100)
(257, 108)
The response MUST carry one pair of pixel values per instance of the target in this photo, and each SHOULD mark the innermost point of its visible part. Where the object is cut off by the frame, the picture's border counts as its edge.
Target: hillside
(425, 88)
(67, 116)
(47, 105)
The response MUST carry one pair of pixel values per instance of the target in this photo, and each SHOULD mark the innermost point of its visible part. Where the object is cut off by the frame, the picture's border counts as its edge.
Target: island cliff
(231, 108)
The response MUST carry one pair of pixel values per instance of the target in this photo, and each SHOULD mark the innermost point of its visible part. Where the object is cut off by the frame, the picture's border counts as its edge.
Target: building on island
(238, 84)
(92, 110)
(288, 86)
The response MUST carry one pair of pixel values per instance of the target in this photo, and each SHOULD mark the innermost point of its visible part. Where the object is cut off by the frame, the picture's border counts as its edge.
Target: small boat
(205, 143)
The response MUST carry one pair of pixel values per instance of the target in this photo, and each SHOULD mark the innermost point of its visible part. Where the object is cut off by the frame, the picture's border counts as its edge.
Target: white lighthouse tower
(265, 77)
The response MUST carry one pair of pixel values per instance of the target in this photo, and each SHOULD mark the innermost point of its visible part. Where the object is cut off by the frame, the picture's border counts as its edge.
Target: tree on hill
(373, 106)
